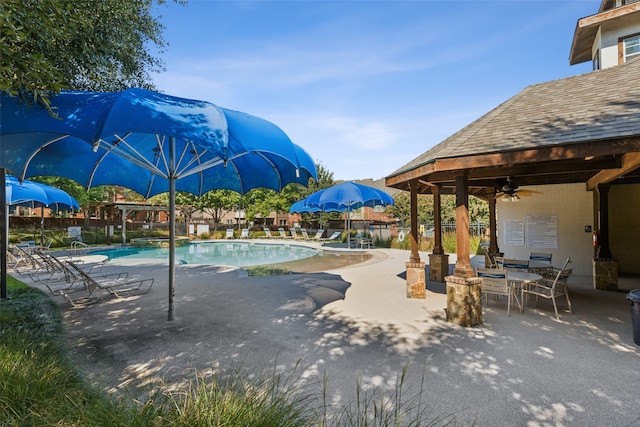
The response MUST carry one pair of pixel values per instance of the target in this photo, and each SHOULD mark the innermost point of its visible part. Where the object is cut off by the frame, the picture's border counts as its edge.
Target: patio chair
(244, 234)
(515, 264)
(294, 234)
(304, 233)
(229, 234)
(283, 234)
(123, 287)
(362, 241)
(496, 283)
(540, 256)
(551, 289)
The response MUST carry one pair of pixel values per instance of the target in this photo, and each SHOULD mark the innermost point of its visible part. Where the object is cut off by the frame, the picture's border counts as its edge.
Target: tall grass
(39, 386)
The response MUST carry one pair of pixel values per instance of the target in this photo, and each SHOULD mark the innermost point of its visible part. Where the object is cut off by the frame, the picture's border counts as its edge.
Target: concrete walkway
(355, 325)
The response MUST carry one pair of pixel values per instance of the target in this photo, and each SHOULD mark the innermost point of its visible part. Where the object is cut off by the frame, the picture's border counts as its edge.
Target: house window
(630, 47)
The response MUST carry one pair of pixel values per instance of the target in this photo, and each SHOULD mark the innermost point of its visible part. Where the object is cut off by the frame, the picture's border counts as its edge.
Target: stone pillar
(605, 274)
(416, 284)
(464, 305)
(438, 267)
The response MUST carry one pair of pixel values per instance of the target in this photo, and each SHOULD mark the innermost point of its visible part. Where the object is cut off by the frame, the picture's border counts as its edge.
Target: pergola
(581, 129)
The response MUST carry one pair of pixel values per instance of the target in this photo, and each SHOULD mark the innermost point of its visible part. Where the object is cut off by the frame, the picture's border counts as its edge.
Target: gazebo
(583, 129)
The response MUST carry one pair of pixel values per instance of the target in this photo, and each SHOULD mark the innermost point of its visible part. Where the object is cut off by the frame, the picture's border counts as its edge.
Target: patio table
(519, 279)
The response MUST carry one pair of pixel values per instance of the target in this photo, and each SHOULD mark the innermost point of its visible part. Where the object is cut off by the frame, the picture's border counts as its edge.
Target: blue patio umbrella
(151, 143)
(36, 194)
(345, 197)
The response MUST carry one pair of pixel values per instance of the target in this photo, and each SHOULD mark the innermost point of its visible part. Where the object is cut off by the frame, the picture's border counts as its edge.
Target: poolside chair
(496, 283)
(294, 234)
(304, 233)
(552, 289)
(283, 234)
(245, 233)
(229, 234)
(267, 234)
(318, 236)
(334, 236)
(124, 287)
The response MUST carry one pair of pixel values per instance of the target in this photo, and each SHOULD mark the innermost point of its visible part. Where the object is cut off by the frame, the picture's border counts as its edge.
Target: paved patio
(526, 369)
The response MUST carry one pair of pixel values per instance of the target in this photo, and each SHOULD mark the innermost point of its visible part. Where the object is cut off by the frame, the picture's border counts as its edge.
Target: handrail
(77, 245)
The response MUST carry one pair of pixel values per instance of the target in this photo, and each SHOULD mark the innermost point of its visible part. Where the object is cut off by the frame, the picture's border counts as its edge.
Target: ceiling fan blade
(498, 195)
(527, 193)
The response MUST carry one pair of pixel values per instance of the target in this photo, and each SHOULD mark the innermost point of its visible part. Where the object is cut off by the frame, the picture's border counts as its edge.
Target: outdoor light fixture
(510, 198)
(96, 146)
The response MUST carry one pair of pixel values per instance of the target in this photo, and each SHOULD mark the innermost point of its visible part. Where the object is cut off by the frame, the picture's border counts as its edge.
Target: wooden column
(416, 280)
(463, 264)
(493, 235)
(604, 251)
(413, 236)
(438, 260)
(437, 221)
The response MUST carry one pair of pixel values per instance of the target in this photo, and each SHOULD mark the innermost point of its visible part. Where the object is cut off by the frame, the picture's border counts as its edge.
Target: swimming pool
(237, 254)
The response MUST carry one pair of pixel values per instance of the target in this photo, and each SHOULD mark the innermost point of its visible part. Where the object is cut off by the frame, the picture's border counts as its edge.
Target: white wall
(572, 204)
(608, 41)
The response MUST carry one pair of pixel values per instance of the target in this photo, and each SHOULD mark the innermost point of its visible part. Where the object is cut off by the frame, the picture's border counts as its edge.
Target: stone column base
(464, 305)
(416, 284)
(605, 274)
(438, 267)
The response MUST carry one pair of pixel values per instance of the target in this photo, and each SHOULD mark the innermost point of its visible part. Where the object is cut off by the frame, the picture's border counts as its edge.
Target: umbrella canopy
(36, 194)
(346, 196)
(301, 207)
(151, 143)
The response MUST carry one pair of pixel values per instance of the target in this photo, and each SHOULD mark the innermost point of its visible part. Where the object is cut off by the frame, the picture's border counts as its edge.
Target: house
(575, 140)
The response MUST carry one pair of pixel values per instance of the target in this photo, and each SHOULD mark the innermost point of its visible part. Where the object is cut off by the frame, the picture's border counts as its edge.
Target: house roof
(598, 107)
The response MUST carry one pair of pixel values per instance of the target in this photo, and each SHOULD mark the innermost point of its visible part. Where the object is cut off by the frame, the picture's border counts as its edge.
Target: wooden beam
(630, 162)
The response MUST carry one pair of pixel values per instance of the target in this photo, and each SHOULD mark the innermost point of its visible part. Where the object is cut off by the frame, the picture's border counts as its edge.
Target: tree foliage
(101, 45)
(478, 209)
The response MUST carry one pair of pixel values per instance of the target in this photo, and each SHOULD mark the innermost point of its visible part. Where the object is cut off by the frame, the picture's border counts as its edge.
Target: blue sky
(366, 86)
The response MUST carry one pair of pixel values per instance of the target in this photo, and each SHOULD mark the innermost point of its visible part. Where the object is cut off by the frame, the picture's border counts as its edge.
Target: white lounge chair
(318, 236)
(283, 234)
(267, 234)
(229, 233)
(245, 233)
(334, 236)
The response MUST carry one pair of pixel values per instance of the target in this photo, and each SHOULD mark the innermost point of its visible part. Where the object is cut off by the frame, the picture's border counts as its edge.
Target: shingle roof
(584, 108)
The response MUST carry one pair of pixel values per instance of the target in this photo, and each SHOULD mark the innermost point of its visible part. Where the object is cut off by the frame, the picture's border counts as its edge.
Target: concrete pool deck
(355, 324)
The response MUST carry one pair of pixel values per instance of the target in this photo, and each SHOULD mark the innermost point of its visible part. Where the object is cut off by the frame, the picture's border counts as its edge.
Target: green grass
(39, 386)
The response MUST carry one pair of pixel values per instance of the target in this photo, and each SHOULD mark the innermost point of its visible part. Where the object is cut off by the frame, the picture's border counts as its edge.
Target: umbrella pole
(172, 229)
(4, 244)
(349, 227)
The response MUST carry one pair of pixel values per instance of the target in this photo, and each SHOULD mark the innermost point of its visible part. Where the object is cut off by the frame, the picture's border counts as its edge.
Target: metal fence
(475, 229)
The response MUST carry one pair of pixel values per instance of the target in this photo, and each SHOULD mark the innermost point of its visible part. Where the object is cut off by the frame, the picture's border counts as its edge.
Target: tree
(101, 45)
(218, 202)
(478, 209)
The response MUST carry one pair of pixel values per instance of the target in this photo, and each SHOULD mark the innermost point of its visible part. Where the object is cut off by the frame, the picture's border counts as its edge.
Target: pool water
(237, 254)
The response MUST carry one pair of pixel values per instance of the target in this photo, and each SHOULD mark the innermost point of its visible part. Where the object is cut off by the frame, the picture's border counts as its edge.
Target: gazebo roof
(588, 122)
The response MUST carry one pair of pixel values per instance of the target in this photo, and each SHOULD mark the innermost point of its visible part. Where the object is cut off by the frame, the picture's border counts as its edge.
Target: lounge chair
(229, 233)
(283, 234)
(245, 233)
(117, 287)
(304, 233)
(334, 236)
(294, 234)
(318, 236)
(267, 234)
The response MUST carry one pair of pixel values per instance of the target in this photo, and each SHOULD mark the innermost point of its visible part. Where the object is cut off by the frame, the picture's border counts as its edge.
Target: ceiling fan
(508, 190)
